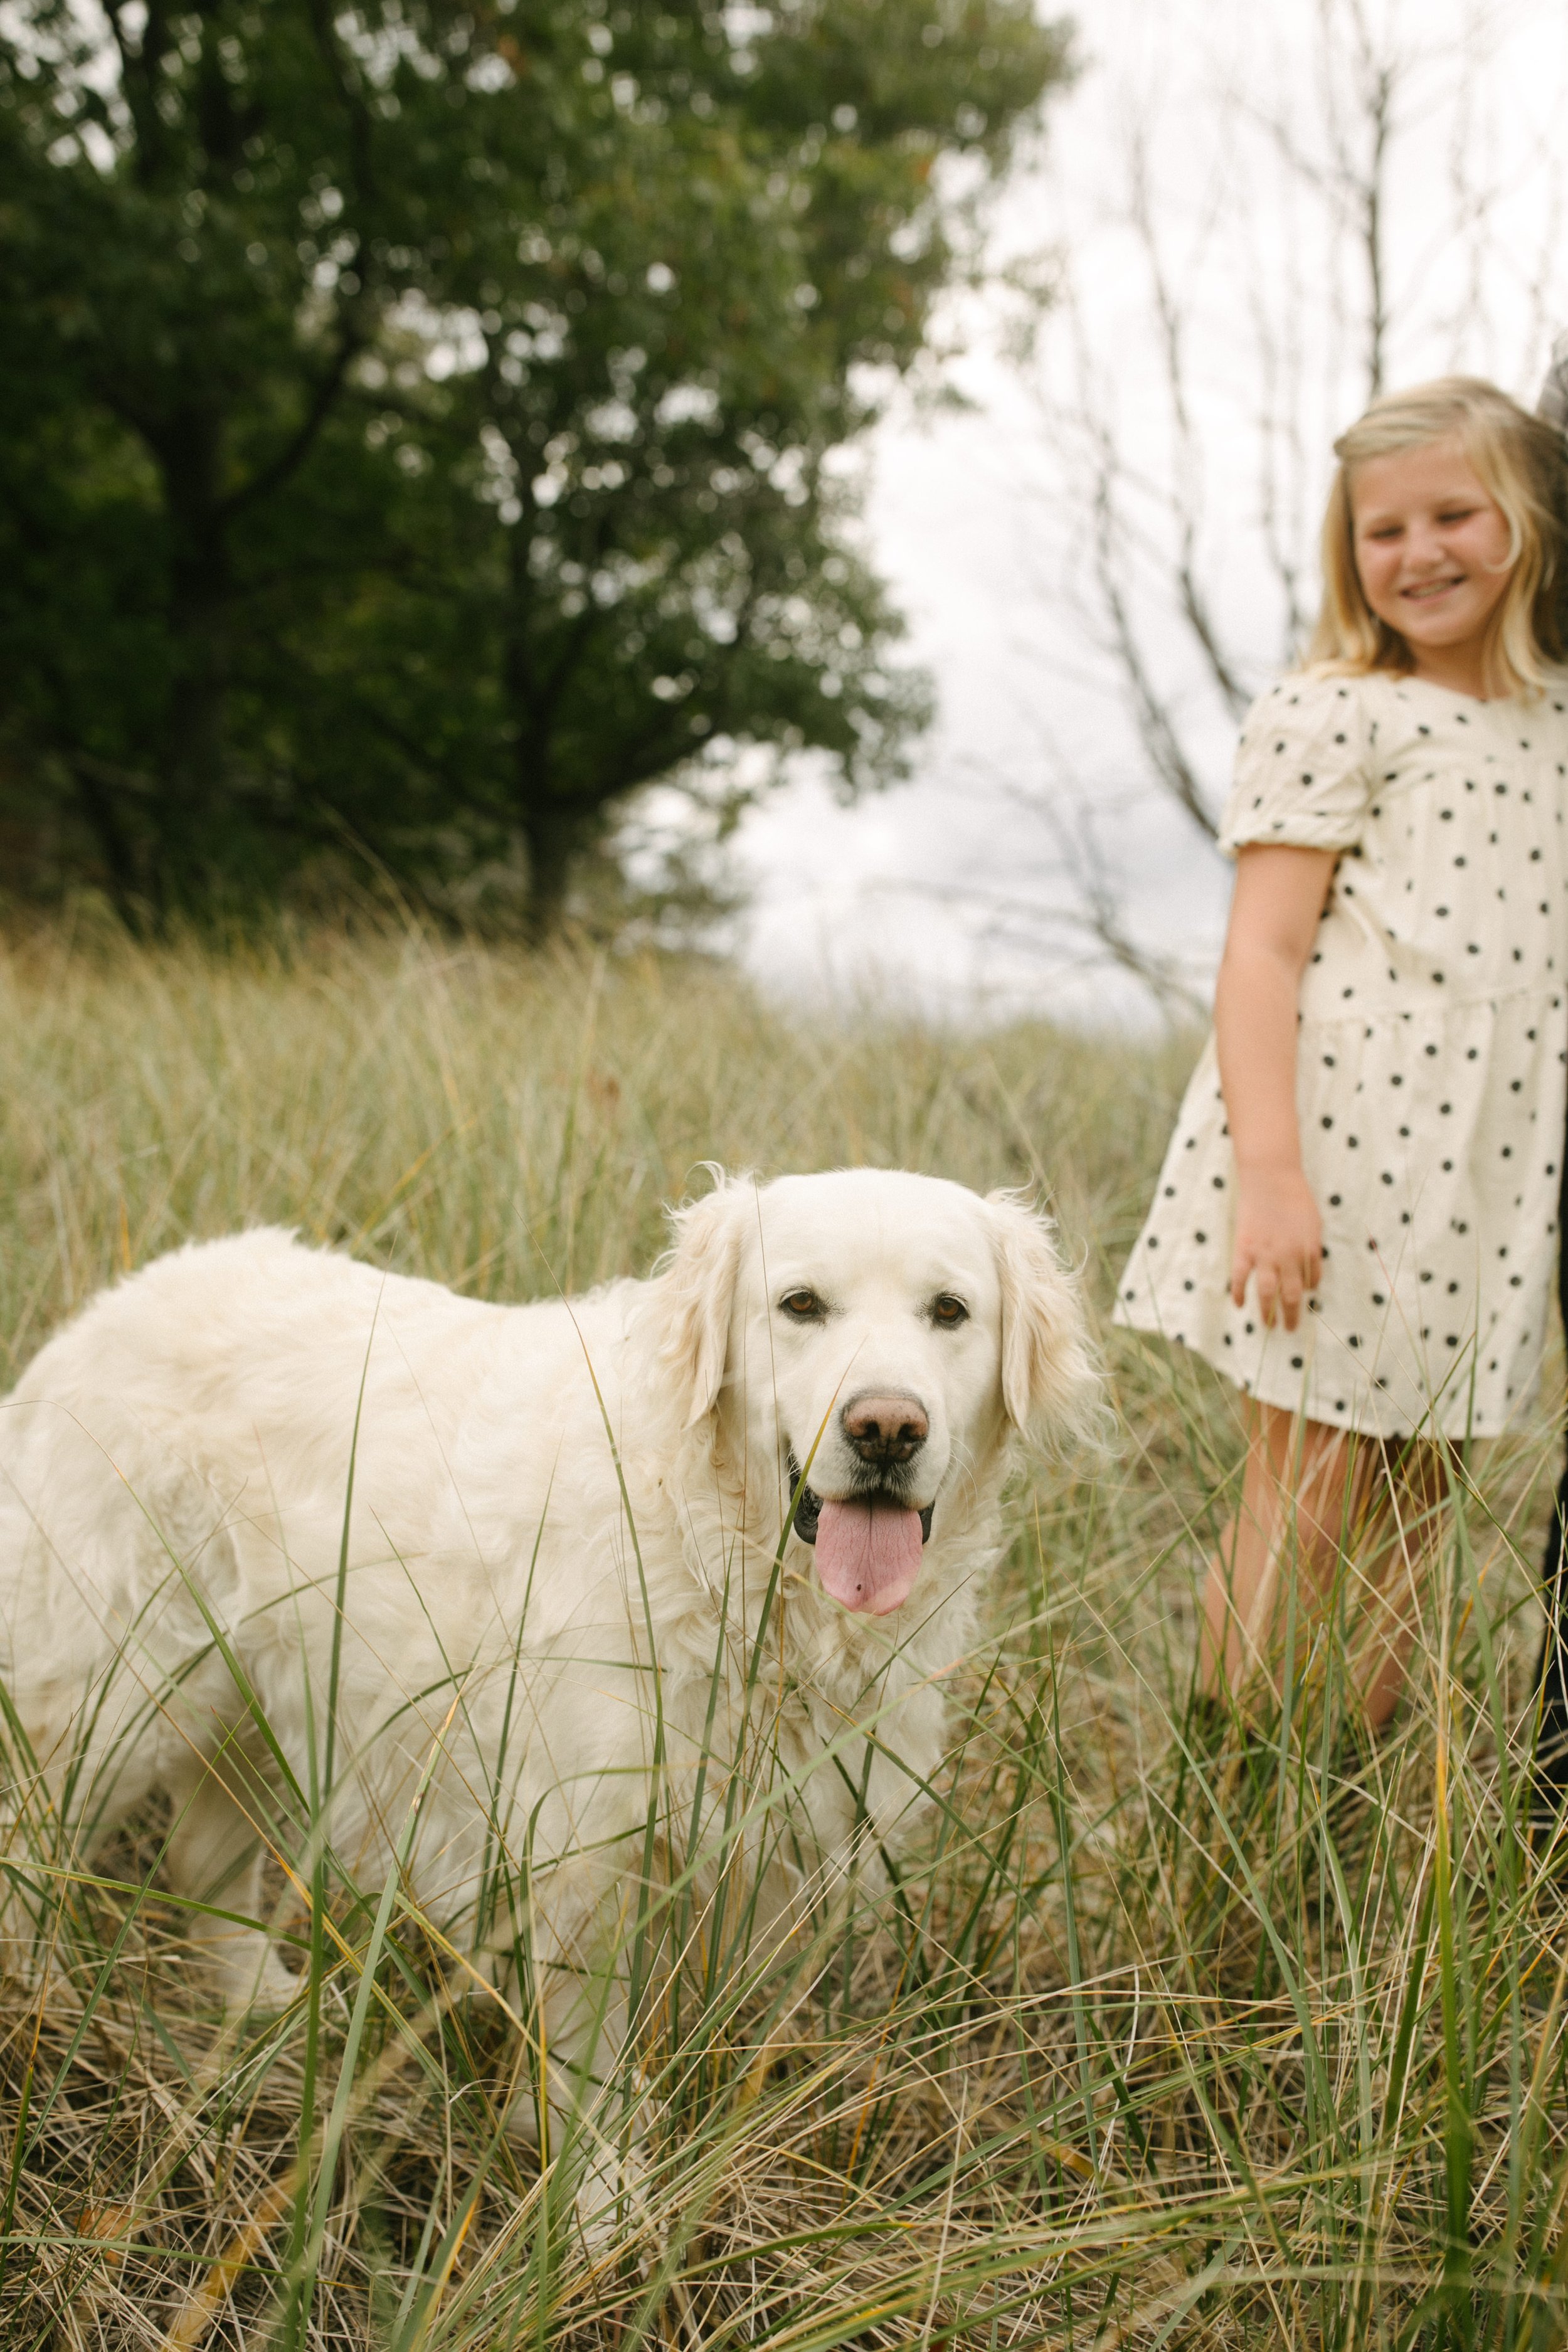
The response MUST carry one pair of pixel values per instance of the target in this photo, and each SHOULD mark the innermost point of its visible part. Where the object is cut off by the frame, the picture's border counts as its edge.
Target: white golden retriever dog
(564, 1555)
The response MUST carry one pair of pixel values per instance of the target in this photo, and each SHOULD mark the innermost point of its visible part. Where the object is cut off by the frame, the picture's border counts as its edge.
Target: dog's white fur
(562, 1515)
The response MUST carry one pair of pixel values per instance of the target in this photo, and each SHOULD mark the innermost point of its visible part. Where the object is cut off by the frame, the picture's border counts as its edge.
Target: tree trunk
(189, 810)
(548, 837)
(96, 799)
(551, 841)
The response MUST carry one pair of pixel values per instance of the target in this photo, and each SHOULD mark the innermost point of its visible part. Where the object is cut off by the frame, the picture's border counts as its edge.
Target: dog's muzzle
(807, 1503)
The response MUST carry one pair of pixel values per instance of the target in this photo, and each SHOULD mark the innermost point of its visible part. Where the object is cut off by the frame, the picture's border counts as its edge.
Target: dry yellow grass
(1154, 2048)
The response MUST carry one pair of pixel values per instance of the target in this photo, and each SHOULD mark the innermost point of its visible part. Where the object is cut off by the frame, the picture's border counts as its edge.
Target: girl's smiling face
(1432, 547)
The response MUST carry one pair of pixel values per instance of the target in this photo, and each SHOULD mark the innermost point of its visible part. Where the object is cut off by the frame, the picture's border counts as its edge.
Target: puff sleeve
(1304, 769)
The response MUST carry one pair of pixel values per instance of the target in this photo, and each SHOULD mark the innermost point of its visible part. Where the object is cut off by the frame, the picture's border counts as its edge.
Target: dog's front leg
(215, 1860)
(571, 1982)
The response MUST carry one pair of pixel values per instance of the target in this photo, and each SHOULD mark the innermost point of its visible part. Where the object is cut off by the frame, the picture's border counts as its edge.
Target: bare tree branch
(1368, 206)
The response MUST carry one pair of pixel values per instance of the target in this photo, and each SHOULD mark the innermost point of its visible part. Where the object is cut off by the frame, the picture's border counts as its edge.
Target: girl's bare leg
(1297, 1491)
(1310, 1495)
(1407, 1508)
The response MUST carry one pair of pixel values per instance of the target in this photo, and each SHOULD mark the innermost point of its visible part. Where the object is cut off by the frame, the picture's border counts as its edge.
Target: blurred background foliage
(418, 422)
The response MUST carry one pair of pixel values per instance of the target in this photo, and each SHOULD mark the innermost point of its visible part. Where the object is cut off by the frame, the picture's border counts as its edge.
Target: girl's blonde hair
(1522, 463)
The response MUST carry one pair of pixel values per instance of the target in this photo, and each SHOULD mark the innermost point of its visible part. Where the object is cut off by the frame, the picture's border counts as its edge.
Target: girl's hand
(1274, 916)
(1279, 1239)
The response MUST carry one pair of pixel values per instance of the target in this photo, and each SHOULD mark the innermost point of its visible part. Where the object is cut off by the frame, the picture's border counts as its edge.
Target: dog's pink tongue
(869, 1555)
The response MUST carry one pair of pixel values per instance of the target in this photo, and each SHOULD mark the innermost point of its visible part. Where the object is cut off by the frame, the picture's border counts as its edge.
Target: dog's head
(877, 1336)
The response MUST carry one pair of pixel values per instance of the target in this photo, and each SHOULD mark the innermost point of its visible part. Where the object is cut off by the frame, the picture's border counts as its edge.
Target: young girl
(1357, 1217)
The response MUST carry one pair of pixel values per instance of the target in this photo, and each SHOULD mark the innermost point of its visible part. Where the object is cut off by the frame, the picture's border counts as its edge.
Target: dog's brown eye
(803, 1306)
(949, 1312)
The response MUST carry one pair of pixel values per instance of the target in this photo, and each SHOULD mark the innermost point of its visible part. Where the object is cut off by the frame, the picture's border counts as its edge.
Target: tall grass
(1157, 2040)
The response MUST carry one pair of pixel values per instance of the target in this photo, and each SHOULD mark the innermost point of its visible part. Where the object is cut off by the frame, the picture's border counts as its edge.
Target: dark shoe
(1549, 1765)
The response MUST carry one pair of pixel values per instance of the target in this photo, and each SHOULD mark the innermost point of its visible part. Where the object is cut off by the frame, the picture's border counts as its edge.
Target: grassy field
(1150, 2048)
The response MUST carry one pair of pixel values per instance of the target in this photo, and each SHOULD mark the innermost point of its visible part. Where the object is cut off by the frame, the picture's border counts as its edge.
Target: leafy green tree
(420, 420)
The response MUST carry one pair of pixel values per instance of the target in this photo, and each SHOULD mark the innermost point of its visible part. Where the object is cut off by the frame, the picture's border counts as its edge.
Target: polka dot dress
(1432, 1063)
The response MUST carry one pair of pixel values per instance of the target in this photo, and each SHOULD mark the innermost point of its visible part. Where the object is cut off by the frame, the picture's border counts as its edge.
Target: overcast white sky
(945, 889)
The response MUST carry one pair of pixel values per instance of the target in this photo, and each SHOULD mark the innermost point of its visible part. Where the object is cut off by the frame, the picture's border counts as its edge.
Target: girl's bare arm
(1280, 895)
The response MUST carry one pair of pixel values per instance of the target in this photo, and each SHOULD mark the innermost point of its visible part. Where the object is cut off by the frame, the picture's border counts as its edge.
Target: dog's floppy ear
(698, 1278)
(1050, 1380)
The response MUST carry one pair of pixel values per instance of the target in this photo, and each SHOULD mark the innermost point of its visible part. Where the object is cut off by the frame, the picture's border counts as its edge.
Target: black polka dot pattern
(1431, 1068)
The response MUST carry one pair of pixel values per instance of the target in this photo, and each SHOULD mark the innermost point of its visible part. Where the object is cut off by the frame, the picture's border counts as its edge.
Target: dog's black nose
(885, 1429)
